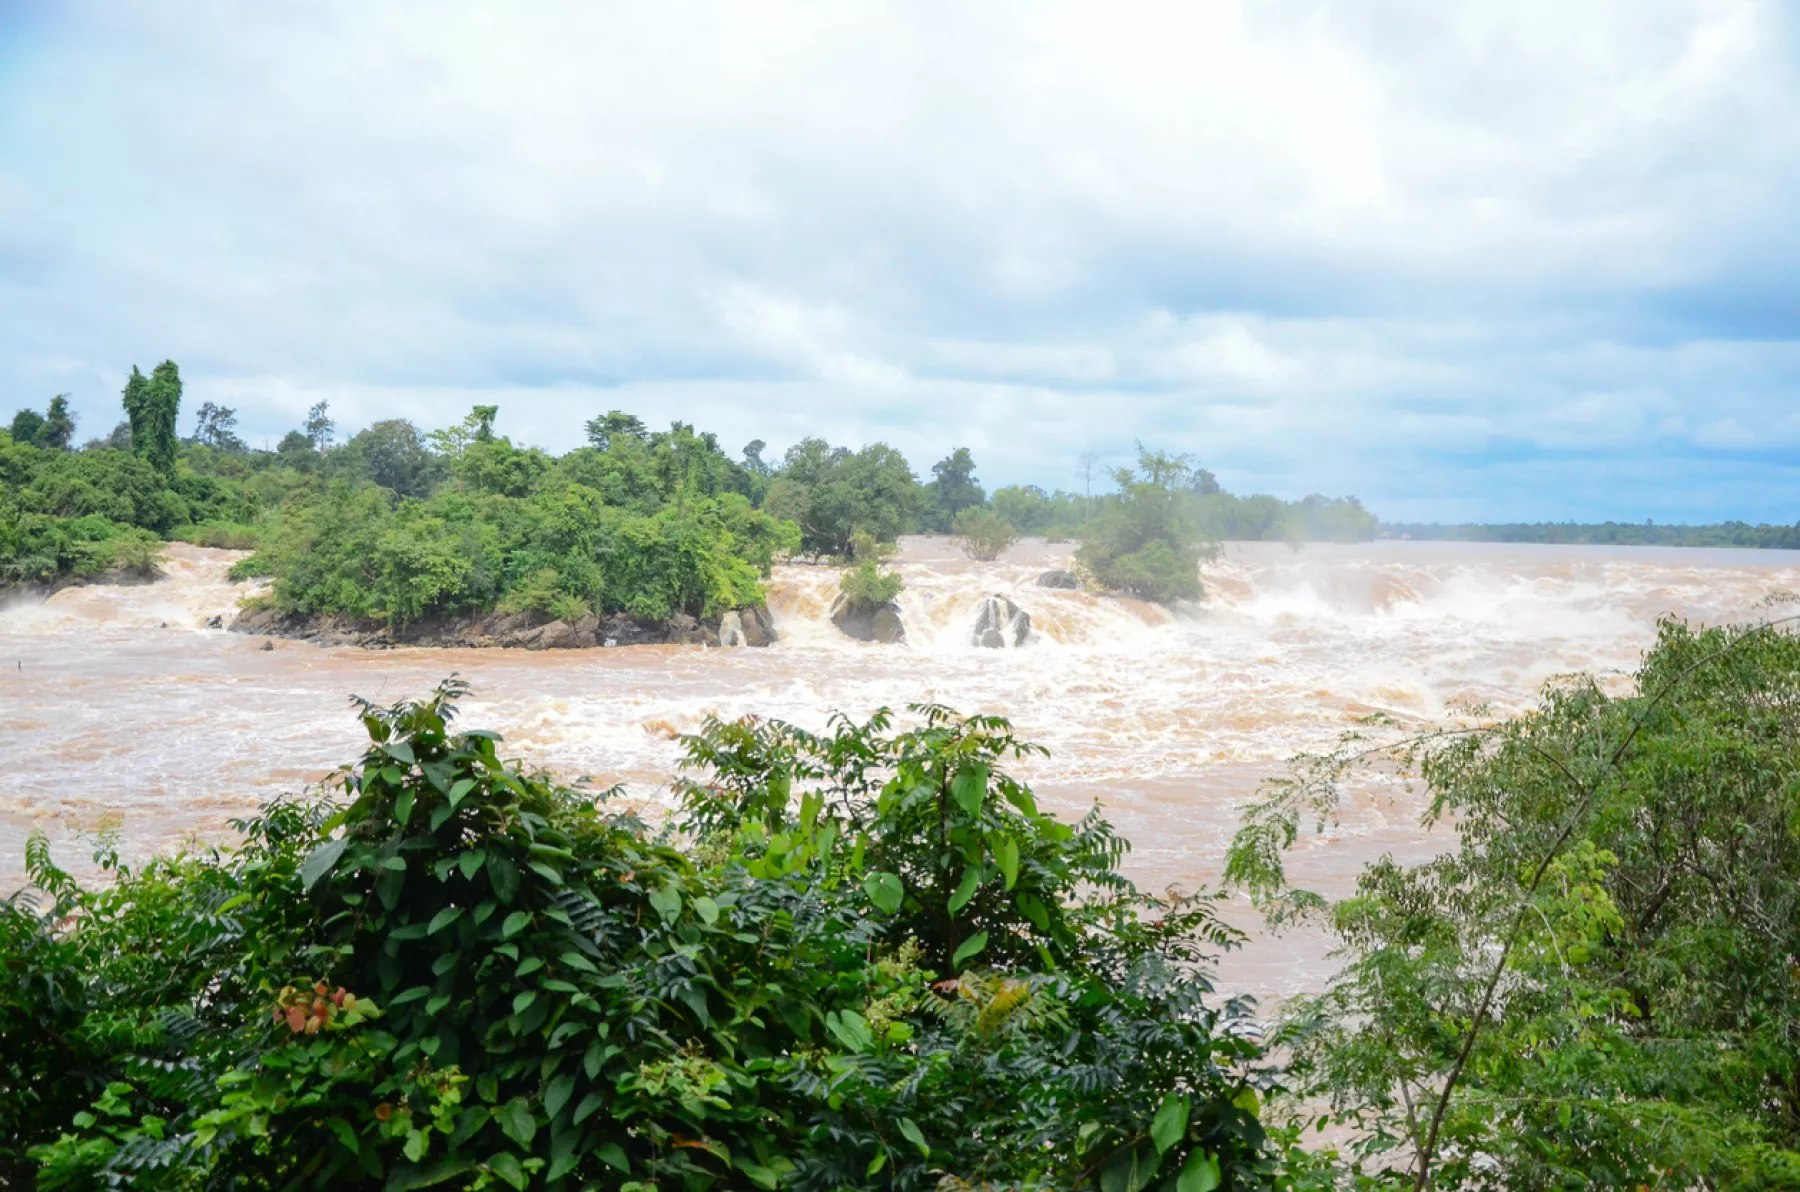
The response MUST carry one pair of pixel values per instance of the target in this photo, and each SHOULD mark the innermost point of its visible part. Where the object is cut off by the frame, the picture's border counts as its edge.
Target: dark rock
(215, 622)
(868, 622)
(1001, 623)
(1058, 579)
(557, 635)
(747, 626)
(268, 645)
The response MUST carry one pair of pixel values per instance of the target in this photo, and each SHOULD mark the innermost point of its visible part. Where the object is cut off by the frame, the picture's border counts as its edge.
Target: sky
(1471, 260)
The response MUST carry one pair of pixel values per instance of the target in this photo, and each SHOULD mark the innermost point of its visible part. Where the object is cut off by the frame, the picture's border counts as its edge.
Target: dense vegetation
(395, 525)
(1732, 533)
(1597, 987)
(866, 958)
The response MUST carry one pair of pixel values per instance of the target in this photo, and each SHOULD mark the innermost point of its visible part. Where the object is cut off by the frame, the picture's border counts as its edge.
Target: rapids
(119, 712)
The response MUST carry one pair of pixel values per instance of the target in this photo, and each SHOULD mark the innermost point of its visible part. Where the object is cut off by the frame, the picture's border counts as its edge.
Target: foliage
(1148, 542)
(953, 488)
(216, 427)
(319, 428)
(1596, 987)
(1731, 533)
(831, 493)
(878, 962)
(984, 534)
(27, 425)
(152, 405)
(868, 584)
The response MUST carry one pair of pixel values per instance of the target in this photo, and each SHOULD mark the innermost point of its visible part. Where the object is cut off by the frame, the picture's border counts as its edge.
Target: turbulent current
(120, 712)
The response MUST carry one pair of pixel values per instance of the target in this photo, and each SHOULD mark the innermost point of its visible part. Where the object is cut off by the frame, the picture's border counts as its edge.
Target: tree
(59, 425)
(1147, 542)
(754, 461)
(27, 425)
(985, 535)
(1596, 986)
(319, 427)
(216, 427)
(393, 454)
(832, 493)
(953, 488)
(613, 425)
(152, 405)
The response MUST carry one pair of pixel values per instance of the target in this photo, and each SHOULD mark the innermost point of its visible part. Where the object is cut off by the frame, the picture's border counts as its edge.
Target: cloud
(1465, 259)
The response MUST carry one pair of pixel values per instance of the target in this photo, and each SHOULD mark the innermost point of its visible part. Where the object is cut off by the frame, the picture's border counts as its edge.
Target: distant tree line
(1731, 533)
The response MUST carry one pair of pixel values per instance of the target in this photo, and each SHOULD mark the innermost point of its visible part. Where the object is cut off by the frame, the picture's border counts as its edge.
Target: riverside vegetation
(867, 958)
(394, 526)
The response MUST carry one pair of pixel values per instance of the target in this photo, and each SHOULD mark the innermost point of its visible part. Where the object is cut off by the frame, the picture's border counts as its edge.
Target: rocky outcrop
(524, 631)
(868, 622)
(748, 626)
(1000, 624)
(1058, 579)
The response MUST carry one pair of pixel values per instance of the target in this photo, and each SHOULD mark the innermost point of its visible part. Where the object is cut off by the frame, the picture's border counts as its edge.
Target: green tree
(27, 425)
(59, 425)
(319, 427)
(152, 404)
(216, 427)
(1596, 986)
(831, 493)
(953, 488)
(612, 426)
(393, 454)
(1148, 542)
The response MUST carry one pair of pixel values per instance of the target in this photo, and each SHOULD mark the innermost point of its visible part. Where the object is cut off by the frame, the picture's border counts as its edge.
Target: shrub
(984, 534)
(1146, 542)
(868, 584)
(880, 964)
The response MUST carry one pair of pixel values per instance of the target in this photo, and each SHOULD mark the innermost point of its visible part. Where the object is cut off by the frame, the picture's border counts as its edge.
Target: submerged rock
(1000, 624)
(1058, 579)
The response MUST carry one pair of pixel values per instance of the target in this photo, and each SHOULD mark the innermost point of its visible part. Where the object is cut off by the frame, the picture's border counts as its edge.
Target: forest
(393, 524)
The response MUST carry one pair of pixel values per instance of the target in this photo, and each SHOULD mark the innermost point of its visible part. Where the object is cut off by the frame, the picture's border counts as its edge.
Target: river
(119, 712)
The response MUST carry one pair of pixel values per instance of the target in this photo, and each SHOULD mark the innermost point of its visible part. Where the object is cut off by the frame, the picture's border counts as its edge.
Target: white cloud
(1325, 245)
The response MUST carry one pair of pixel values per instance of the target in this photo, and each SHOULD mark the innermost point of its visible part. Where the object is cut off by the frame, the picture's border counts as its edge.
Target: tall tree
(319, 426)
(952, 490)
(59, 425)
(152, 405)
(613, 425)
(216, 427)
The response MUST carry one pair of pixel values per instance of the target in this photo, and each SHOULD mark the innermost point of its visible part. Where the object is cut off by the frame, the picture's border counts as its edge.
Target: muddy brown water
(120, 712)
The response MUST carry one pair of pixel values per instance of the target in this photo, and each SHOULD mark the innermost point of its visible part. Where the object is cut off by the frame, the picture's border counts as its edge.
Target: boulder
(1058, 579)
(215, 622)
(557, 635)
(1000, 624)
(868, 622)
(686, 630)
(747, 626)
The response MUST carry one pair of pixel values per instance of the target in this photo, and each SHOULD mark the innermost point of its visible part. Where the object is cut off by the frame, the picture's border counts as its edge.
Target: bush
(985, 535)
(880, 964)
(868, 584)
(220, 535)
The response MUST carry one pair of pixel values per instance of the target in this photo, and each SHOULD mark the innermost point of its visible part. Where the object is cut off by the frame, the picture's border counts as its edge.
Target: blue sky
(1467, 260)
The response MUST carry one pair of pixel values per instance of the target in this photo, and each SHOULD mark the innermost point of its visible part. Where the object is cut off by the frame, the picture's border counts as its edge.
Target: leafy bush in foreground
(876, 962)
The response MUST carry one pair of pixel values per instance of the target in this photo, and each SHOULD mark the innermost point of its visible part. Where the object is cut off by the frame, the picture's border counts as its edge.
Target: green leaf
(910, 1130)
(851, 1029)
(517, 1121)
(576, 960)
(345, 1134)
(1170, 1123)
(885, 891)
(395, 864)
(970, 947)
(460, 790)
(1131, 1171)
(590, 1104)
(443, 919)
(470, 861)
(403, 805)
(522, 1001)
(557, 1094)
(1006, 856)
(969, 787)
(707, 909)
(507, 1167)
(400, 751)
(613, 1155)
(1199, 1174)
(965, 890)
(514, 924)
(319, 862)
(667, 901)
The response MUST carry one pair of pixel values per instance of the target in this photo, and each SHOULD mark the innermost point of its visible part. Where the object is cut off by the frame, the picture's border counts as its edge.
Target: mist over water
(119, 711)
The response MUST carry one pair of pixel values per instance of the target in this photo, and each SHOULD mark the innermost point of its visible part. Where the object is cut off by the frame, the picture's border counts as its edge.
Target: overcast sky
(1464, 259)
